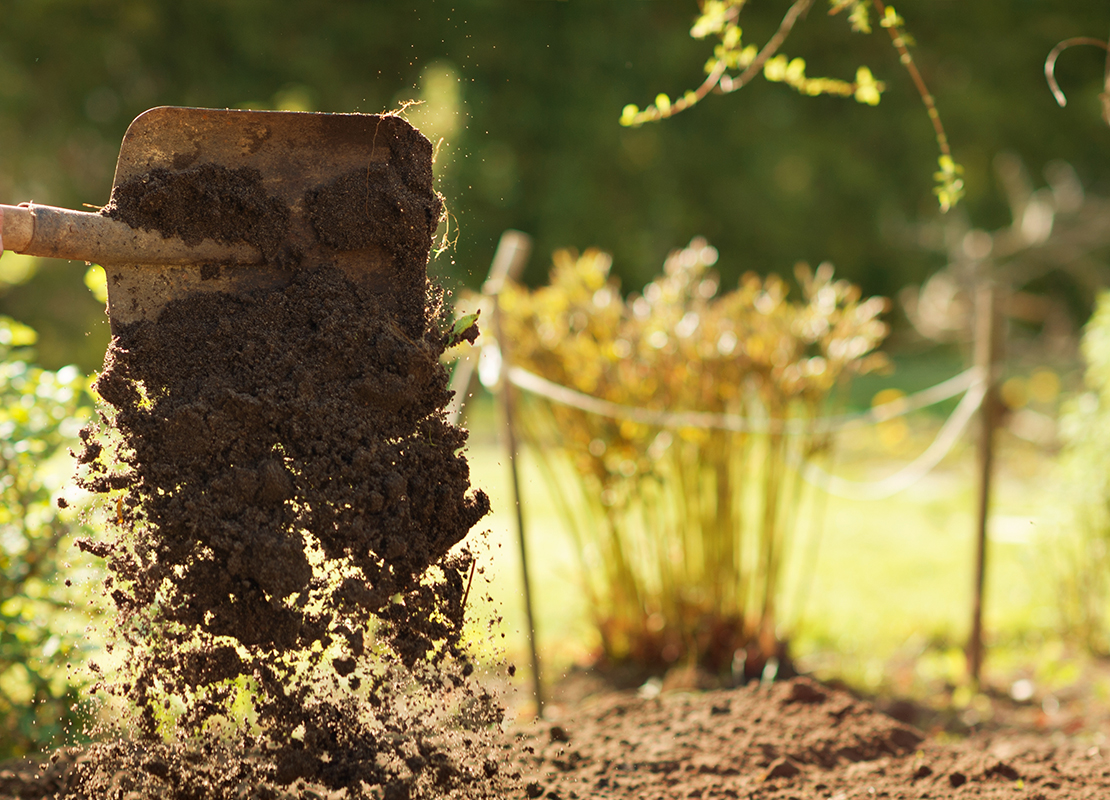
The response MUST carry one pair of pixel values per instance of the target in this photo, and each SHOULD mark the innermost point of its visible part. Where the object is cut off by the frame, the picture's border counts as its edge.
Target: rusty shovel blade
(228, 200)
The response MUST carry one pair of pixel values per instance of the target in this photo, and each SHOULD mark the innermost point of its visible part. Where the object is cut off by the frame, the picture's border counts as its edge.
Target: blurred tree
(772, 179)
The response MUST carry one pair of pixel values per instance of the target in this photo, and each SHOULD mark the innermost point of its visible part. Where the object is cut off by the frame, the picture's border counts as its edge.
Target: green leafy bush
(683, 530)
(1082, 544)
(41, 413)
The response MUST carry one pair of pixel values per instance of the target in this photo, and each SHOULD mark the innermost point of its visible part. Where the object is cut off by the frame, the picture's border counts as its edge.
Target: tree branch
(793, 14)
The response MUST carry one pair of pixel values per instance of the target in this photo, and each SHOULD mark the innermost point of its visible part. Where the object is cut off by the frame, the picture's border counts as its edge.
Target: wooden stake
(987, 359)
(509, 259)
(512, 252)
(506, 395)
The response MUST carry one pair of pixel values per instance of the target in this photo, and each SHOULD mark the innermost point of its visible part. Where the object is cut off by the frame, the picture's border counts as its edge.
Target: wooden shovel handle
(83, 236)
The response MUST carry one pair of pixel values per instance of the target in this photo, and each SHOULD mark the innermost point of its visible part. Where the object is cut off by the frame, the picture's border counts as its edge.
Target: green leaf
(713, 19)
(795, 73)
(16, 334)
(775, 69)
(97, 282)
(465, 329)
(868, 90)
(950, 186)
(891, 19)
(860, 19)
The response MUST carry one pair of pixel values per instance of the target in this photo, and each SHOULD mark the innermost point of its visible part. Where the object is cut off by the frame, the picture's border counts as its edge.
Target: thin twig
(793, 14)
(719, 79)
(711, 81)
(919, 82)
(1105, 96)
(469, 580)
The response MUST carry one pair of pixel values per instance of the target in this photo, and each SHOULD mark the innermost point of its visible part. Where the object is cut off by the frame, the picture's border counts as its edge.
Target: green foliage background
(41, 613)
(1083, 482)
(538, 86)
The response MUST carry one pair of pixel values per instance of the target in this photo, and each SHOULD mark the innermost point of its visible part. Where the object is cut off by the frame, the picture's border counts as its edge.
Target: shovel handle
(50, 232)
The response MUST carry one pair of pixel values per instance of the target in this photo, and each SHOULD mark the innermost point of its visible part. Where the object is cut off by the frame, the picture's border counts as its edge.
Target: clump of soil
(208, 201)
(393, 213)
(263, 431)
(286, 496)
(386, 205)
(386, 208)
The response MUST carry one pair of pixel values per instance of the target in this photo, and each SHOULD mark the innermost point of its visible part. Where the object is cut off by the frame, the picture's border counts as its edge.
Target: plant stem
(793, 14)
(718, 79)
(918, 82)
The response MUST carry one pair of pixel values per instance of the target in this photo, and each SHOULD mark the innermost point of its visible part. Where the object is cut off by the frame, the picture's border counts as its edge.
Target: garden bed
(794, 739)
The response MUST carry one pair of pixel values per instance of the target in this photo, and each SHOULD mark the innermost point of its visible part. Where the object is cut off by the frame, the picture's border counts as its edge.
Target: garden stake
(987, 359)
(509, 259)
(492, 288)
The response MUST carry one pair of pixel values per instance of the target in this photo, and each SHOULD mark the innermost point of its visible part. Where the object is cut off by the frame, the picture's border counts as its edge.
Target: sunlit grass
(891, 582)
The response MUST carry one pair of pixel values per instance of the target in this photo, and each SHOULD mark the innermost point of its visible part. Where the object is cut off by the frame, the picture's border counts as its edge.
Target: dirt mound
(796, 739)
(630, 746)
(792, 740)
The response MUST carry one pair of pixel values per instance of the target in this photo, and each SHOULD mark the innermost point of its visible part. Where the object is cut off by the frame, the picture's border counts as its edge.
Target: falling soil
(287, 502)
(285, 495)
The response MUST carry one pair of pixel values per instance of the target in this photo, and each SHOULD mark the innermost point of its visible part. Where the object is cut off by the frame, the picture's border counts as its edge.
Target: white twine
(531, 382)
(913, 472)
(969, 382)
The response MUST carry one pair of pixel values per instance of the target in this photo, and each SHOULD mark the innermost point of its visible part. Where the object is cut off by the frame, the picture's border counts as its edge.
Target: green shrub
(41, 413)
(683, 531)
(1082, 544)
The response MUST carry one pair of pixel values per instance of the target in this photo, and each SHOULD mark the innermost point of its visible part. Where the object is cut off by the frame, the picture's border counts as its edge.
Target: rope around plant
(970, 383)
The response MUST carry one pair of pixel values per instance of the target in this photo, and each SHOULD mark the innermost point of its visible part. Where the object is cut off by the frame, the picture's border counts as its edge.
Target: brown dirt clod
(207, 201)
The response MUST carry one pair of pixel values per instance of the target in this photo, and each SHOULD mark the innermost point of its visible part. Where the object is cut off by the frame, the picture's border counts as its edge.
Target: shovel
(235, 200)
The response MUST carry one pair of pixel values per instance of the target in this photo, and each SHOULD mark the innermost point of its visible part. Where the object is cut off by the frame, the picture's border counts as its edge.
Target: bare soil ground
(795, 739)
